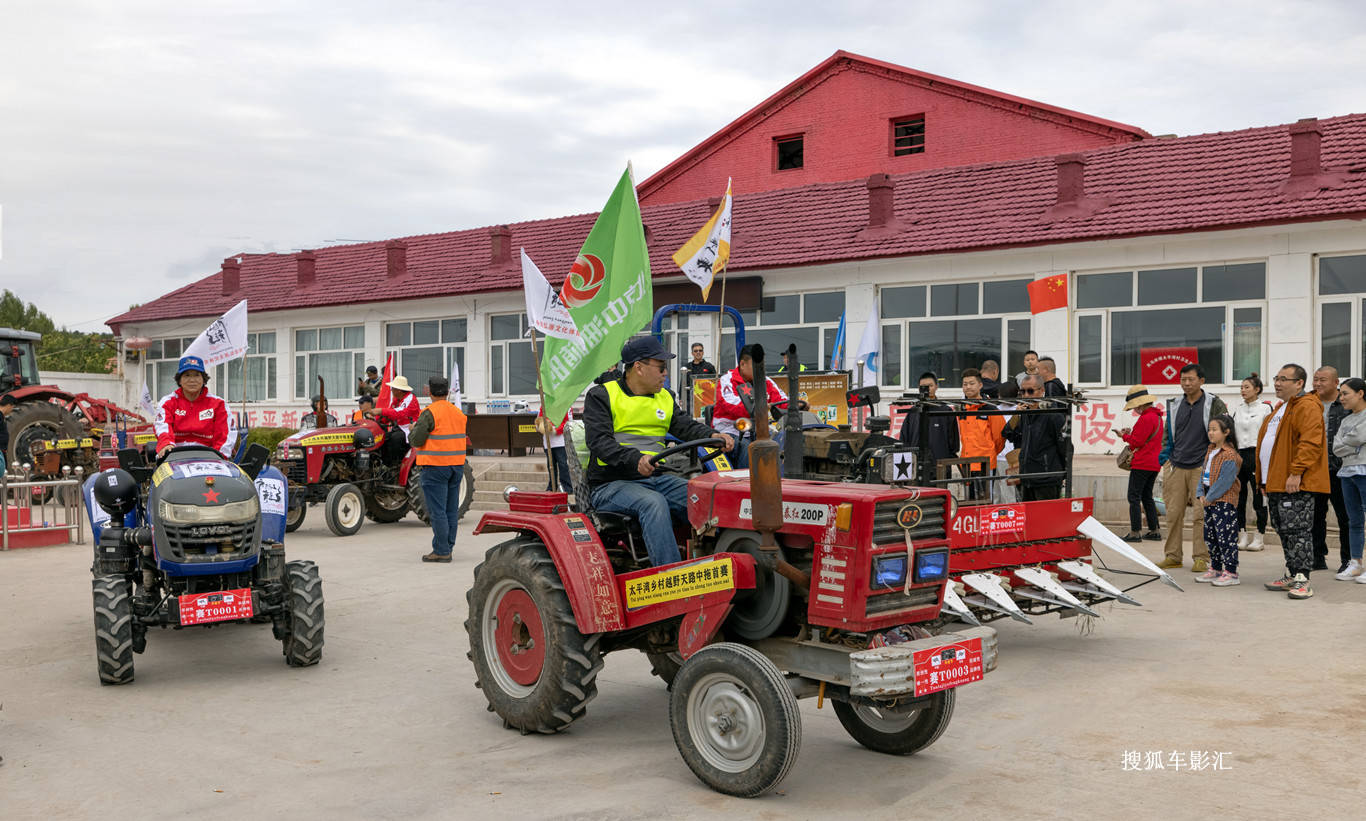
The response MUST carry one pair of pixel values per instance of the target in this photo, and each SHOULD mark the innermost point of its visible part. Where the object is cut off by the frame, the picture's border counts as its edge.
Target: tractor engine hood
(205, 512)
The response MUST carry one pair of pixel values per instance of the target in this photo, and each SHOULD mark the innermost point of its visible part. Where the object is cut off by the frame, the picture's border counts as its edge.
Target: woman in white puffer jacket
(1247, 423)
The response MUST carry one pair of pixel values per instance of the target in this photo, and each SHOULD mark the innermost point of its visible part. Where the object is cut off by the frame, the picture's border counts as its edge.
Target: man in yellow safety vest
(438, 436)
(625, 422)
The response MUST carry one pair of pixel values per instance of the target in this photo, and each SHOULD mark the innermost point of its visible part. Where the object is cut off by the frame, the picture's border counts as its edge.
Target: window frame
(1356, 315)
(449, 350)
(224, 377)
(777, 152)
(892, 125)
(498, 349)
(757, 324)
(301, 356)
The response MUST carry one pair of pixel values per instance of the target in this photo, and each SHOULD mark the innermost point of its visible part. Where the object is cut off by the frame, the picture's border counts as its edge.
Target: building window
(427, 347)
(935, 341)
(336, 355)
(512, 366)
(788, 151)
(908, 136)
(163, 355)
(1216, 309)
(1342, 312)
(809, 321)
(260, 365)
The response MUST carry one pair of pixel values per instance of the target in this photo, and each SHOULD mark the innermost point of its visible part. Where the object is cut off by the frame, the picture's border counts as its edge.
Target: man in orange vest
(438, 436)
(981, 436)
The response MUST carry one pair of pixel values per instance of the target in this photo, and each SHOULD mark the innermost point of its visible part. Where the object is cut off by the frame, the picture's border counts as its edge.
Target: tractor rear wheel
(294, 516)
(417, 503)
(113, 601)
(758, 613)
(666, 665)
(35, 421)
(898, 731)
(385, 505)
(735, 719)
(303, 642)
(345, 509)
(537, 671)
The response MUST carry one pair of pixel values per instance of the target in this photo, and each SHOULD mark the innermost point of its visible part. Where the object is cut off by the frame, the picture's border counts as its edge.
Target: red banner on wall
(1162, 366)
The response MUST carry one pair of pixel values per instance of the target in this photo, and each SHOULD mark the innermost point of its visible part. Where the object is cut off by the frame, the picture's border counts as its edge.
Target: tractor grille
(888, 602)
(887, 531)
(295, 470)
(217, 540)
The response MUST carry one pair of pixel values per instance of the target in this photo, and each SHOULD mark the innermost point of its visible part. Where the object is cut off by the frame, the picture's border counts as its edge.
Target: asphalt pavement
(1253, 704)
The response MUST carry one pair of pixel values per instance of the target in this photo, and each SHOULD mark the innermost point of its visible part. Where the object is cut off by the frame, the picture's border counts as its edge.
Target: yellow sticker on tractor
(66, 444)
(144, 438)
(87, 443)
(680, 583)
(328, 439)
(162, 473)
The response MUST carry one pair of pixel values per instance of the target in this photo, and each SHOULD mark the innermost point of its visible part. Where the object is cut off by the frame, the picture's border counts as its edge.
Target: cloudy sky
(141, 141)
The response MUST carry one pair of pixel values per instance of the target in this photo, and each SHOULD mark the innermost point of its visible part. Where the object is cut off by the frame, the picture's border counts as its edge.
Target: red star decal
(211, 496)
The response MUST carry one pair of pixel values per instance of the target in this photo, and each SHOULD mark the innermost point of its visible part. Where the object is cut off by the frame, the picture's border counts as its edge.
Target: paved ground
(390, 725)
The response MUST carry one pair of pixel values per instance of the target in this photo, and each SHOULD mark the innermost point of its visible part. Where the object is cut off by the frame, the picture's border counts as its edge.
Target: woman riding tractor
(190, 415)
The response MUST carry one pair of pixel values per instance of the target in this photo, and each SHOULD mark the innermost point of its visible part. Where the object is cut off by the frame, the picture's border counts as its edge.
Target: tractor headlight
(889, 570)
(173, 514)
(931, 565)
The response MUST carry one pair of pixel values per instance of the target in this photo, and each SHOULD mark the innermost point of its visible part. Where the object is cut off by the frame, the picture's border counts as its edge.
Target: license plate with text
(221, 605)
(949, 666)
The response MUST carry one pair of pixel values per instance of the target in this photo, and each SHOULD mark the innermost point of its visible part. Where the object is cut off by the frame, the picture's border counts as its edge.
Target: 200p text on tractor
(784, 590)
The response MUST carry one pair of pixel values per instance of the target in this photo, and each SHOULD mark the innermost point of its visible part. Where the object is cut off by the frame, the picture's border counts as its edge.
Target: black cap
(644, 347)
(365, 398)
(438, 386)
(372, 369)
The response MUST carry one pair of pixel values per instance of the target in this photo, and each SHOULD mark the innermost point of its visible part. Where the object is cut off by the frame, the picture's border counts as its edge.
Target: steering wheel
(717, 445)
(182, 449)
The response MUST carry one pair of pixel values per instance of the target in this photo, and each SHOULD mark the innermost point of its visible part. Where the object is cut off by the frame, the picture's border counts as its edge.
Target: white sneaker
(1351, 572)
(1243, 539)
(1257, 543)
(1361, 579)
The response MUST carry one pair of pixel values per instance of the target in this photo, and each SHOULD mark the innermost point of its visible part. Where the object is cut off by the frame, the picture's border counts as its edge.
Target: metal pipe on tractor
(765, 482)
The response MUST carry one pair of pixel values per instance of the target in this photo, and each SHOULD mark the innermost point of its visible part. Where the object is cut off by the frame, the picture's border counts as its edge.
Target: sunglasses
(663, 367)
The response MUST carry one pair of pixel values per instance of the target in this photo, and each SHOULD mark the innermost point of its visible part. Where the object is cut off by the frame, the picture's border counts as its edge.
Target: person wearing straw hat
(403, 410)
(1145, 441)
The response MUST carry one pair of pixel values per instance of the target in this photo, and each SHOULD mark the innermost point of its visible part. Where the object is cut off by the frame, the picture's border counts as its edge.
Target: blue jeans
(441, 487)
(561, 471)
(652, 500)
(1354, 494)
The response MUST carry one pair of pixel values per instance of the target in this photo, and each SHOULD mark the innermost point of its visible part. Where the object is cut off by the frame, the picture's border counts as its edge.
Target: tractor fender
(580, 560)
(406, 467)
(40, 393)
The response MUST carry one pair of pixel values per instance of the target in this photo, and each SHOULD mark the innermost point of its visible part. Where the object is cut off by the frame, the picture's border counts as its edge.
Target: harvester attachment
(1053, 591)
(1105, 536)
(956, 607)
(994, 595)
(1095, 585)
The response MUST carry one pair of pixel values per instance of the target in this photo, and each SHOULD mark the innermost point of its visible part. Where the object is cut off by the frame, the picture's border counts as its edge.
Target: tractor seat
(613, 528)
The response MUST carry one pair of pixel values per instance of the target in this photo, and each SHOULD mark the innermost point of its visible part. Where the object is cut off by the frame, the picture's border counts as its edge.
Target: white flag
(455, 397)
(148, 405)
(544, 310)
(870, 347)
(706, 254)
(224, 339)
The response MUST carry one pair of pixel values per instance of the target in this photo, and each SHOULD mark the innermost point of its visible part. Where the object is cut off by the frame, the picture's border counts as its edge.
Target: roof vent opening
(232, 275)
(306, 266)
(395, 258)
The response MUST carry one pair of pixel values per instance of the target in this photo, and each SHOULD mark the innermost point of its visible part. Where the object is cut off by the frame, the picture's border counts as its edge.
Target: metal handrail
(69, 504)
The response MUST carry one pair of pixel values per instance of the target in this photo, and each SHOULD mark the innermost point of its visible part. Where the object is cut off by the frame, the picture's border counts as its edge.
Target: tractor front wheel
(345, 510)
(113, 601)
(303, 642)
(537, 671)
(898, 731)
(735, 719)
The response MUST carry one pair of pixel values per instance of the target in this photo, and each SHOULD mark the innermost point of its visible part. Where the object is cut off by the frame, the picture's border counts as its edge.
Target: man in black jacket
(1042, 443)
(6, 405)
(625, 422)
(1326, 386)
(943, 435)
(1048, 372)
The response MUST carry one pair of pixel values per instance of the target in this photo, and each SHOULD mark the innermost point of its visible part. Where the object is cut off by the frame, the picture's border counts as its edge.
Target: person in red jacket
(735, 400)
(190, 415)
(403, 410)
(1145, 438)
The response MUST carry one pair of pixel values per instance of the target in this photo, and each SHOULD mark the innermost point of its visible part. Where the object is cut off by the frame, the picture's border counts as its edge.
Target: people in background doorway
(1292, 465)
(698, 366)
(554, 439)
(1247, 420)
(368, 385)
(318, 417)
(1048, 370)
(1218, 491)
(1326, 386)
(438, 435)
(1031, 367)
(1145, 440)
(1349, 446)
(943, 430)
(1183, 451)
(980, 436)
(1042, 442)
(991, 379)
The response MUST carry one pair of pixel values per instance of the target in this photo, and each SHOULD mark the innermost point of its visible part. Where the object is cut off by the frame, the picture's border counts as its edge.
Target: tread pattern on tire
(304, 596)
(759, 782)
(925, 729)
(572, 661)
(376, 512)
(113, 605)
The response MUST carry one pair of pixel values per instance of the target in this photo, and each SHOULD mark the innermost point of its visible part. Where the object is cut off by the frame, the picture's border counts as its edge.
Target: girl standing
(1348, 444)
(1247, 422)
(1218, 493)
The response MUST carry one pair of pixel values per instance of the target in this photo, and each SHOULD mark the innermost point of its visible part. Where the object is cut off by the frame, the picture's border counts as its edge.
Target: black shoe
(1153, 536)
(1133, 536)
(437, 557)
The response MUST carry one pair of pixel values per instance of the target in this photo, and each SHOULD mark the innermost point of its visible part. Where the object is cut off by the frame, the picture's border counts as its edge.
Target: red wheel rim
(519, 637)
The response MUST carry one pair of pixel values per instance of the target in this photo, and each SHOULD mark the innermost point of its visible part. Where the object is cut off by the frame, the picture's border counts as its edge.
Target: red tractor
(50, 428)
(784, 590)
(355, 470)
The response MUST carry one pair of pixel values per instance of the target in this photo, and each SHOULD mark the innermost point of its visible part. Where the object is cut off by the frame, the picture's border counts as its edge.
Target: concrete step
(513, 477)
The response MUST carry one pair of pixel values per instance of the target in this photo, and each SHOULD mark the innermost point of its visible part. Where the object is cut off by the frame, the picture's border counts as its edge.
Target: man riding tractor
(403, 409)
(365, 409)
(625, 422)
(319, 417)
(735, 401)
(190, 415)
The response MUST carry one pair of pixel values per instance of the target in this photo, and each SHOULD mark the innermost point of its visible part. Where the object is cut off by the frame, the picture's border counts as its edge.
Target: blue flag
(837, 353)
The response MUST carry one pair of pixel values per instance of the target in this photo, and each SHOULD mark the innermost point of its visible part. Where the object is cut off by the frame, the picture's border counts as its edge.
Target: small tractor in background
(51, 428)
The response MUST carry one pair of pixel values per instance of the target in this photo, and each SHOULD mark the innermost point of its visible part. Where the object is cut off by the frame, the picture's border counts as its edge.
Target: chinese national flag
(1048, 293)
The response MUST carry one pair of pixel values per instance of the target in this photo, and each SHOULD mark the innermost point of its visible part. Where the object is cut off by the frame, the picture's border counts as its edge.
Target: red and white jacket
(201, 422)
(405, 413)
(731, 406)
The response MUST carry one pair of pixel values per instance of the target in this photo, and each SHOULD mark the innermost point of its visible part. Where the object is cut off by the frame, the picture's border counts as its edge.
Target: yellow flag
(706, 254)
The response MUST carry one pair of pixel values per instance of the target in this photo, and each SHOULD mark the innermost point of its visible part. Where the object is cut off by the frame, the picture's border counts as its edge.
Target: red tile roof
(1157, 186)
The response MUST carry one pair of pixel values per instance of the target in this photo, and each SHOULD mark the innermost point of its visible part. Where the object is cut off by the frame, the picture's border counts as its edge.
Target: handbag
(1125, 459)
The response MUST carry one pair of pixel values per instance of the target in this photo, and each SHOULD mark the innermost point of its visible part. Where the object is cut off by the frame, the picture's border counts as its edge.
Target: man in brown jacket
(1292, 465)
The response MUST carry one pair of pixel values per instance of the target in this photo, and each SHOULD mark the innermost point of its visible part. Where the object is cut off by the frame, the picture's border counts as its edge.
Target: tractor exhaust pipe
(765, 484)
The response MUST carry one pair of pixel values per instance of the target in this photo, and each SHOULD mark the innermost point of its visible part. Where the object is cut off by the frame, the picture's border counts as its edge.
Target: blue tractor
(195, 539)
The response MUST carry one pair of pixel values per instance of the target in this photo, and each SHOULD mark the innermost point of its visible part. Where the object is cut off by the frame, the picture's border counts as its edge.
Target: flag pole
(545, 434)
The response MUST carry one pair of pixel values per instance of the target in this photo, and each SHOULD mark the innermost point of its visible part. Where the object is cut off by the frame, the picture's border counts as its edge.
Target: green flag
(608, 293)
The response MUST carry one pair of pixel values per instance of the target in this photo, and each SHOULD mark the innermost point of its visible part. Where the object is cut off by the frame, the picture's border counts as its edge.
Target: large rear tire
(294, 516)
(303, 642)
(537, 671)
(113, 602)
(735, 720)
(758, 613)
(898, 731)
(34, 421)
(417, 502)
(386, 506)
(345, 509)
